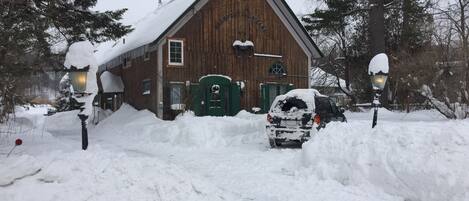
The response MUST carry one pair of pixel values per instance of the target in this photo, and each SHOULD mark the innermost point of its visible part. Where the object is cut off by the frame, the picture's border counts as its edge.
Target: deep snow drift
(134, 156)
(415, 160)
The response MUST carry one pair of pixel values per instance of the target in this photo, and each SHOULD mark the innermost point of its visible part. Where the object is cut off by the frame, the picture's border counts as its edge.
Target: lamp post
(378, 71)
(78, 78)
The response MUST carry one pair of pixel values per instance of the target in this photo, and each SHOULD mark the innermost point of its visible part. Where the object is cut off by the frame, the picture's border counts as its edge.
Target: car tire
(274, 144)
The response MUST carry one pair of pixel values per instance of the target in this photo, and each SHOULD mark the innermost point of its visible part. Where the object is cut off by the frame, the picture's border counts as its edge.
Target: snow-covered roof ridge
(320, 78)
(146, 30)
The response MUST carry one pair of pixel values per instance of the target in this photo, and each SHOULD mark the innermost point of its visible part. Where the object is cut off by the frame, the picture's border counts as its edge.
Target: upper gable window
(127, 62)
(176, 52)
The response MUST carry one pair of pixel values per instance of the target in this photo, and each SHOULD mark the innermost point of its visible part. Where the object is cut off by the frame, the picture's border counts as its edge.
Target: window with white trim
(177, 96)
(176, 52)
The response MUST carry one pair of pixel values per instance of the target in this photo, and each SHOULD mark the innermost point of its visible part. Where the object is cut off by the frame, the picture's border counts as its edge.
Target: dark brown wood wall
(209, 37)
(133, 78)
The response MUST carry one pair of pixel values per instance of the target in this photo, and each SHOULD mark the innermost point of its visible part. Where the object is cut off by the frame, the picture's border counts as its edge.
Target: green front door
(216, 101)
(216, 96)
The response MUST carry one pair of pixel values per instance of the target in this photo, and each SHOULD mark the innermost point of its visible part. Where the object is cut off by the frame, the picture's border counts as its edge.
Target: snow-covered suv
(297, 115)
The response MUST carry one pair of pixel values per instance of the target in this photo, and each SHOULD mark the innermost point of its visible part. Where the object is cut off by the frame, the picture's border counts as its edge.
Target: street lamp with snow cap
(379, 72)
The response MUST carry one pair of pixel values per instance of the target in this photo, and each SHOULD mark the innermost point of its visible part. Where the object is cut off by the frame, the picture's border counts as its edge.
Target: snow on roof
(147, 30)
(320, 78)
(303, 7)
(379, 63)
(111, 83)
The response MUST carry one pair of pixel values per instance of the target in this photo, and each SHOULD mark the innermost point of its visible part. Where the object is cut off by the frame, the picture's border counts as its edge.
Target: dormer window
(176, 52)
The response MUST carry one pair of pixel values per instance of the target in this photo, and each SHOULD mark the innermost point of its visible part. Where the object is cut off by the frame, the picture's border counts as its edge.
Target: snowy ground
(134, 156)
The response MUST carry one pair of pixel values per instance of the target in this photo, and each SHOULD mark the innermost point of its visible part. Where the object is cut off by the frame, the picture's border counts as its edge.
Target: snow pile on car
(187, 130)
(306, 95)
(412, 160)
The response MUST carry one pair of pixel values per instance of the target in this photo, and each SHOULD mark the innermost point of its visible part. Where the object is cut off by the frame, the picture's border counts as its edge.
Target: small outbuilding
(111, 91)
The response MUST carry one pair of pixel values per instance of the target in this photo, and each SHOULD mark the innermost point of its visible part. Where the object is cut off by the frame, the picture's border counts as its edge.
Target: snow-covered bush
(66, 101)
(450, 110)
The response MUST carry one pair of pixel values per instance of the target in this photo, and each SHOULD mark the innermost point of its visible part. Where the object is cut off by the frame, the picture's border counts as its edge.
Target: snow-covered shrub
(66, 101)
(450, 110)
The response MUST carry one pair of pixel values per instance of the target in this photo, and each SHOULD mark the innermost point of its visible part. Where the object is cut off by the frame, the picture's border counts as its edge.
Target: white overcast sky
(139, 8)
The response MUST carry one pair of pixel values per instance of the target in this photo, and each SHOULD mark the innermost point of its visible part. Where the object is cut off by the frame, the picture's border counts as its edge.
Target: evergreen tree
(31, 28)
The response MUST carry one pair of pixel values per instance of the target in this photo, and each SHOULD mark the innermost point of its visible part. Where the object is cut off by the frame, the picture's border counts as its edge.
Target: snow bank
(187, 130)
(108, 176)
(13, 169)
(63, 123)
(416, 161)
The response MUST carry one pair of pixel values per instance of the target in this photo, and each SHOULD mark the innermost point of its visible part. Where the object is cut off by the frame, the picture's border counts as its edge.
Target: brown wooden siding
(208, 49)
(133, 77)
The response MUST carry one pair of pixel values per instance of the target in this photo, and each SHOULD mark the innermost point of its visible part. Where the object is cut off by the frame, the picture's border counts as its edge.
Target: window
(146, 87)
(127, 62)
(176, 52)
(177, 96)
(276, 90)
(270, 91)
(146, 56)
(277, 69)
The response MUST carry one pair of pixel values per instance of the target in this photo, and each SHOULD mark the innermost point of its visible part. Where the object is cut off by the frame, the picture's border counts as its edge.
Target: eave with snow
(259, 43)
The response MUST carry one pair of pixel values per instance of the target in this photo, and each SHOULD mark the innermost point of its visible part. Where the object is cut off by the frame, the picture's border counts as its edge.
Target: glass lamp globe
(78, 79)
(379, 81)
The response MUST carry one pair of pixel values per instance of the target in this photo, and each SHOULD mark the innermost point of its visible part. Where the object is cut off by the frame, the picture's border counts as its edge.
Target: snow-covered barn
(213, 57)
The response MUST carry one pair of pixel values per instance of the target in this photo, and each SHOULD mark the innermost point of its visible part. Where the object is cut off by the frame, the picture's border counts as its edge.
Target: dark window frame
(278, 69)
(127, 62)
(146, 87)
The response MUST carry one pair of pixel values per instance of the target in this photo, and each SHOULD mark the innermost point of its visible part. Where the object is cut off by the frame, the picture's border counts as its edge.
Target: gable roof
(156, 25)
(146, 30)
